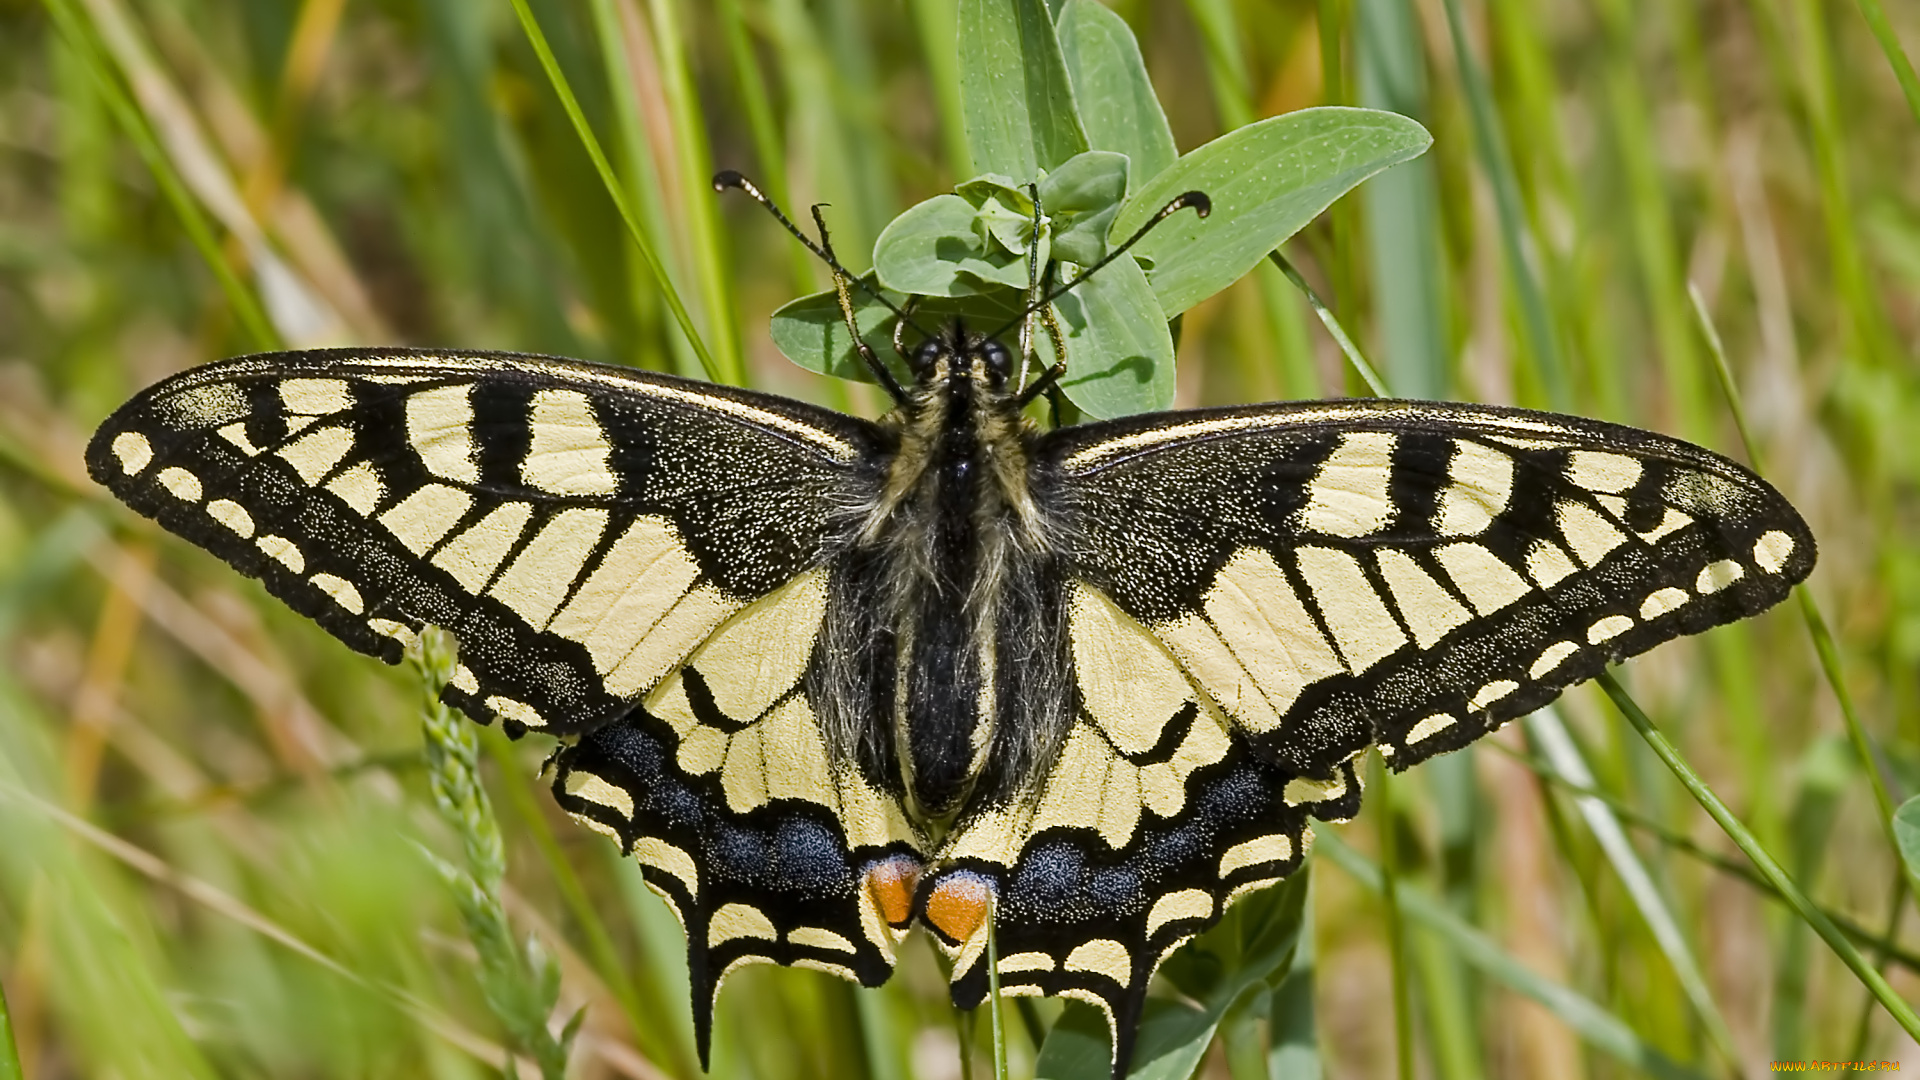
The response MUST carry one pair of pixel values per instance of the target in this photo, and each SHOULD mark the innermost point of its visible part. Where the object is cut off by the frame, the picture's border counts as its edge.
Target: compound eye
(998, 357)
(927, 354)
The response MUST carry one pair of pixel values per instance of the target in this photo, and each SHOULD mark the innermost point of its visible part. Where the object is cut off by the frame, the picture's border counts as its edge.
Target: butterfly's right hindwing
(579, 528)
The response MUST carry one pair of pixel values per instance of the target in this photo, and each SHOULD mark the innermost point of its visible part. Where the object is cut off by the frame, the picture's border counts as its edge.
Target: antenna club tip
(728, 178)
(1199, 201)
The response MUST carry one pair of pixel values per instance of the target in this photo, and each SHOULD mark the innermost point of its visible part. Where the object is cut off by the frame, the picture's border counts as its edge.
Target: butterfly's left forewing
(579, 528)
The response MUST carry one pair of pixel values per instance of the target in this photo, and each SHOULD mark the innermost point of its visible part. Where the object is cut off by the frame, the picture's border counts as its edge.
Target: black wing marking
(721, 786)
(1155, 816)
(579, 528)
(1415, 574)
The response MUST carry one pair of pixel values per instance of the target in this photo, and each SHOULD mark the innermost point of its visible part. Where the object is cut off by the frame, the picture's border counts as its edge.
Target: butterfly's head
(957, 354)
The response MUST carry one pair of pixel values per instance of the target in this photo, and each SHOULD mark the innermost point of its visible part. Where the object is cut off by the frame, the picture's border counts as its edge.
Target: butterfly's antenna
(1196, 199)
(728, 178)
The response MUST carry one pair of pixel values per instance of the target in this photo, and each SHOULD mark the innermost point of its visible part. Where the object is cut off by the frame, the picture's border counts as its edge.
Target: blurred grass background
(209, 811)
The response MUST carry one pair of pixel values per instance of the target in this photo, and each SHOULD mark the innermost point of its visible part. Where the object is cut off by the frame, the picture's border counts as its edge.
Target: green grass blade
(1516, 242)
(246, 306)
(1332, 323)
(617, 192)
(1400, 208)
(1396, 926)
(693, 161)
(9, 1046)
(1221, 35)
(1557, 746)
(1896, 55)
(1875, 983)
(1592, 1022)
(1823, 643)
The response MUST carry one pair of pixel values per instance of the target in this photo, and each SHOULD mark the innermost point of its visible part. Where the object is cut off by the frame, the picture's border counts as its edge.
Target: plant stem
(1875, 982)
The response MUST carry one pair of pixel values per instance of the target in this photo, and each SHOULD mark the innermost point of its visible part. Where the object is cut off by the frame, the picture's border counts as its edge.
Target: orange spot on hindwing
(890, 883)
(957, 905)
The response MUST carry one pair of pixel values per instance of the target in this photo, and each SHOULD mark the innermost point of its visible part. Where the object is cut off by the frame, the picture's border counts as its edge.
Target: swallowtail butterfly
(829, 678)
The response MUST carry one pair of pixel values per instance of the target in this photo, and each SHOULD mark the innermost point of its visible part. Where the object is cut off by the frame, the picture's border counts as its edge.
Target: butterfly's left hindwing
(722, 788)
(579, 528)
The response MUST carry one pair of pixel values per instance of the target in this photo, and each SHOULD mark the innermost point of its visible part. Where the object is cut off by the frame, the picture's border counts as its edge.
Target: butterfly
(828, 679)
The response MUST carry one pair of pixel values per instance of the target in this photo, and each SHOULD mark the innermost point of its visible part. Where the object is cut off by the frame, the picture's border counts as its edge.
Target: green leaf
(1906, 831)
(1110, 86)
(1173, 1039)
(940, 248)
(1080, 200)
(812, 333)
(1266, 181)
(1119, 353)
(1014, 91)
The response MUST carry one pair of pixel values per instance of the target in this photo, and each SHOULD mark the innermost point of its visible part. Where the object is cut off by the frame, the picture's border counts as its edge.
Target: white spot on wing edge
(399, 632)
(1187, 904)
(1608, 628)
(1551, 658)
(1772, 550)
(1428, 728)
(180, 483)
(233, 516)
(818, 937)
(1662, 601)
(133, 450)
(1492, 692)
(1102, 956)
(1302, 790)
(1258, 851)
(668, 859)
(517, 711)
(596, 790)
(739, 921)
(341, 590)
(1718, 575)
(283, 551)
(1025, 961)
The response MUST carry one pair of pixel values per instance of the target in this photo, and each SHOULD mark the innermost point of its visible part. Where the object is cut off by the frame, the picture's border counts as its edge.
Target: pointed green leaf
(939, 248)
(1080, 200)
(1014, 91)
(1110, 87)
(1119, 353)
(1173, 1039)
(1266, 180)
(812, 333)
